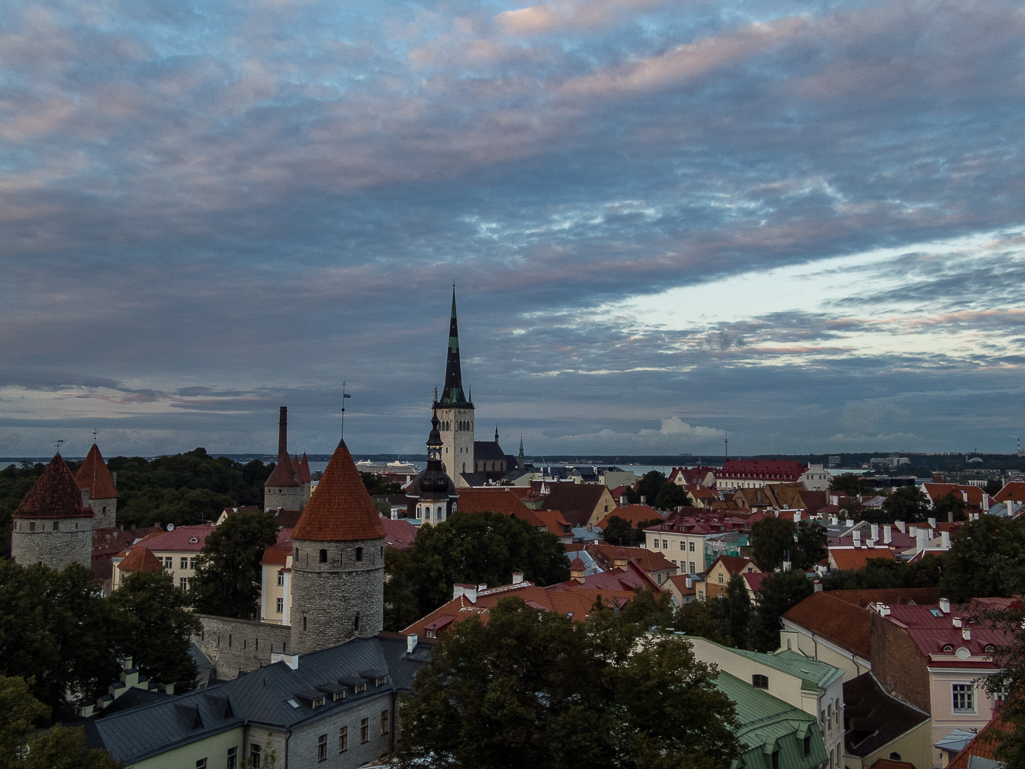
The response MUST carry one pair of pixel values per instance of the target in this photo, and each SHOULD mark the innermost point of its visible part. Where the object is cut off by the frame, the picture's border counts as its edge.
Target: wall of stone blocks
(238, 646)
(71, 543)
(302, 747)
(105, 511)
(898, 665)
(285, 497)
(326, 596)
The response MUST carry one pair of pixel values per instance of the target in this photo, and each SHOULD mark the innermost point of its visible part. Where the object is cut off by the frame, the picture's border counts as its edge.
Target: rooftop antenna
(59, 441)
(344, 396)
(727, 444)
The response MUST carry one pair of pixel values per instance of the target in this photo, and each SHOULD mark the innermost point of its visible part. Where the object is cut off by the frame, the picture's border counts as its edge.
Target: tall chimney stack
(283, 431)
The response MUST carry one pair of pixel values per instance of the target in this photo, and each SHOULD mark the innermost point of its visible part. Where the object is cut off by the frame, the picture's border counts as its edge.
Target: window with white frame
(963, 698)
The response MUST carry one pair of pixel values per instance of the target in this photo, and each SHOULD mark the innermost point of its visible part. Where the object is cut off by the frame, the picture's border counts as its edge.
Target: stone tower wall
(328, 595)
(105, 511)
(285, 497)
(34, 540)
(456, 441)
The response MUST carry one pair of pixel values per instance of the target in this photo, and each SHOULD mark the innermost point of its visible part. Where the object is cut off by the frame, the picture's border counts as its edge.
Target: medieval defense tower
(455, 412)
(52, 525)
(337, 562)
(284, 488)
(94, 477)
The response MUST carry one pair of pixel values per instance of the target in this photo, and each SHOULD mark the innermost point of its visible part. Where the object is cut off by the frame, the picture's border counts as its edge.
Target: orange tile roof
(984, 745)
(843, 623)
(937, 491)
(648, 560)
(140, 559)
(1014, 490)
(55, 494)
(277, 554)
(94, 475)
(341, 510)
(284, 473)
(553, 521)
(733, 564)
(857, 558)
(500, 500)
(304, 466)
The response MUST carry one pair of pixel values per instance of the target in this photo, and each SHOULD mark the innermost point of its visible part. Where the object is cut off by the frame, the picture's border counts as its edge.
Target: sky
(799, 222)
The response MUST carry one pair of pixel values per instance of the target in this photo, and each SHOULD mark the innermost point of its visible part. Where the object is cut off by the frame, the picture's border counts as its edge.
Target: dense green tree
(812, 539)
(850, 484)
(908, 503)
(672, 496)
(777, 595)
(535, 689)
(480, 548)
(993, 487)
(950, 507)
(54, 624)
(985, 559)
(648, 608)
(15, 482)
(619, 531)
(64, 748)
(703, 619)
(227, 581)
(883, 573)
(773, 541)
(400, 604)
(736, 613)
(648, 487)
(155, 627)
(1010, 683)
(22, 715)
(852, 509)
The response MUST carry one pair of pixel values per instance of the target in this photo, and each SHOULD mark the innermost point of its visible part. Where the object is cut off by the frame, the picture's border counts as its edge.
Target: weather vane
(344, 396)
(59, 441)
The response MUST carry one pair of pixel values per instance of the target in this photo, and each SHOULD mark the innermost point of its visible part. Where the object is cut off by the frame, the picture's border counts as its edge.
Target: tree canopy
(535, 689)
(851, 484)
(154, 627)
(985, 559)
(619, 531)
(656, 490)
(777, 595)
(908, 503)
(227, 581)
(480, 548)
(951, 507)
(773, 541)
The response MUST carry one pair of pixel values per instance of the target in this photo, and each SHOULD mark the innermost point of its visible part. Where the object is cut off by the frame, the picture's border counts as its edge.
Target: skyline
(801, 223)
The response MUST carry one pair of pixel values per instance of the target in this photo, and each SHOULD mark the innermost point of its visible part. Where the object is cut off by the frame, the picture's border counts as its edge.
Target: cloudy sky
(800, 222)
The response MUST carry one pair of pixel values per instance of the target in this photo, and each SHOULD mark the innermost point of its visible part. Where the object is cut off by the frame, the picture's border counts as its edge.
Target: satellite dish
(170, 527)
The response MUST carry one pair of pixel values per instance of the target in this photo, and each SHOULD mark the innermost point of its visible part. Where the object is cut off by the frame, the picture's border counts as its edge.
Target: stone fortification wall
(238, 646)
(105, 511)
(337, 592)
(285, 497)
(34, 540)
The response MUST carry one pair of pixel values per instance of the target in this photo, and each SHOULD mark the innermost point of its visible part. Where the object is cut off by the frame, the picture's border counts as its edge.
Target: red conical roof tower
(54, 495)
(341, 509)
(94, 476)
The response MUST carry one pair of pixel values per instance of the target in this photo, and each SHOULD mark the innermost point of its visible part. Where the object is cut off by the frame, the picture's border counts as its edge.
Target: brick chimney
(283, 431)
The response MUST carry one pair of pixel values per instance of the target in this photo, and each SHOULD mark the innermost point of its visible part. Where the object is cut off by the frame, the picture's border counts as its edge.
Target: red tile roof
(284, 473)
(277, 554)
(1014, 490)
(140, 559)
(984, 745)
(937, 491)
(931, 633)
(630, 578)
(341, 509)
(648, 560)
(55, 494)
(857, 558)
(184, 539)
(762, 469)
(94, 475)
(554, 521)
(576, 501)
(843, 623)
(398, 534)
(733, 564)
(500, 500)
(304, 466)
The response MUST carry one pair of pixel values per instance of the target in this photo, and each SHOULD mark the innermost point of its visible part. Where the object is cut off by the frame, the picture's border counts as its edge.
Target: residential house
(773, 734)
(333, 708)
(814, 687)
(177, 549)
(937, 658)
(653, 563)
(717, 578)
(276, 580)
(753, 473)
(685, 537)
(683, 589)
(835, 626)
(703, 477)
(581, 504)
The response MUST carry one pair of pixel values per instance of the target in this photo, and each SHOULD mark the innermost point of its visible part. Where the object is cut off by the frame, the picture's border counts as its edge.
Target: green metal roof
(814, 675)
(768, 724)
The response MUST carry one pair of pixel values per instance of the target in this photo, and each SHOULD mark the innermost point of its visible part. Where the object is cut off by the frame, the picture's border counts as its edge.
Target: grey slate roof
(261, 696)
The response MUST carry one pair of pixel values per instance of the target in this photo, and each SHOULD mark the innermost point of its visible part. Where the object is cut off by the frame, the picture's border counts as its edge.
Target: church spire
(453, 394)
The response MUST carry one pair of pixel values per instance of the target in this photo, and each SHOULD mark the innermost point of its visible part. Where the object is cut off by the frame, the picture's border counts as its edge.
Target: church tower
(455, 412)
(432, 494)
(94, 477)
(52, 526)
(337, 562)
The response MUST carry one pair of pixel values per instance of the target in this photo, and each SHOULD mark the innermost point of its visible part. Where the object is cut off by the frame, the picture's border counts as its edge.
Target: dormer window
(759, 681)
(989, 649)
(193, 540)
(360, 688)
(947, 648)
(380, 681)
(318, 702)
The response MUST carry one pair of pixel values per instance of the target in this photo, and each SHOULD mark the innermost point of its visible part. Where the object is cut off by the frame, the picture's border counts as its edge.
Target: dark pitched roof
(340, 510)
(487, 450)
(94, 475)
(55, 494)
(284, 473)
(304, 467)
(872, 718)
(576, 501)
